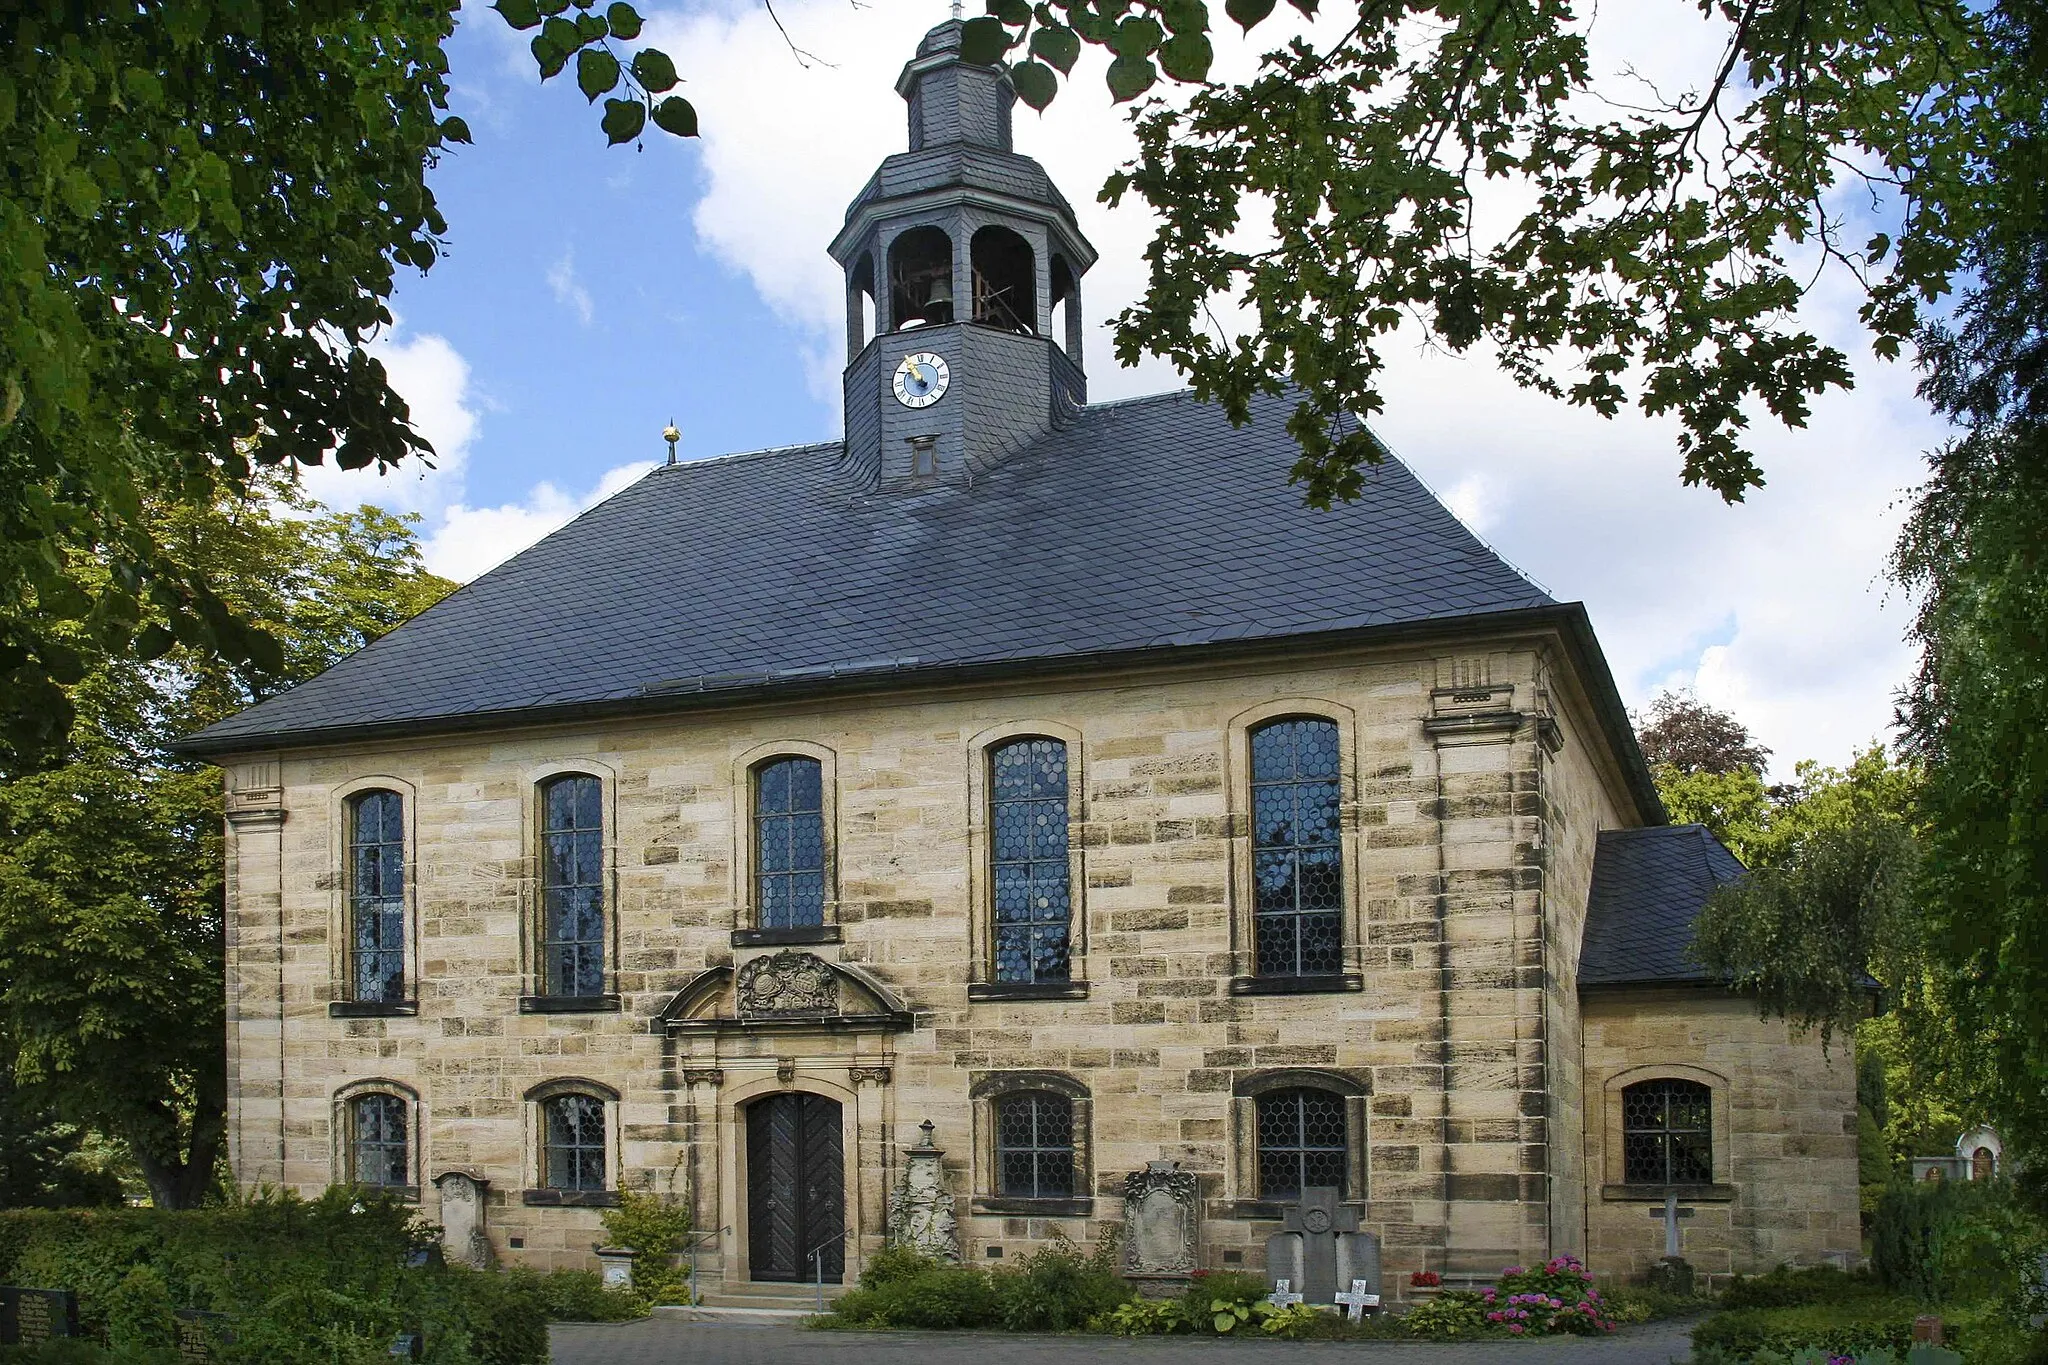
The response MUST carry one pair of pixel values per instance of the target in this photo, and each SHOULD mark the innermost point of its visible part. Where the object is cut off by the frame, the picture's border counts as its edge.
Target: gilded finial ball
(670, 434)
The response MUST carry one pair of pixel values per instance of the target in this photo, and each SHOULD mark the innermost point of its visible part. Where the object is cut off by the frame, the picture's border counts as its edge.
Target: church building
(1041, 770)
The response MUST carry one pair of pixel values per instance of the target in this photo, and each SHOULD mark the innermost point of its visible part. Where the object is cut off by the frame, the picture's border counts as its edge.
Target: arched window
(1005, 281)
(1667, 1133)
(572, 1142)
(1297, 853)
(572, 886)
(860, 306)
(1302, 1142)
(376, 896)
(1031, 875)
(1066, 308)
(379, 1146)
(920, 279)
(1034, 1145)
(789, 843)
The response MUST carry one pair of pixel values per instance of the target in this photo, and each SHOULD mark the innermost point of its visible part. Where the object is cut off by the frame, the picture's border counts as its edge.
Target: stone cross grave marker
(29, 1317)
(1280, 1297)
(1358, 1300)
(1316, 1223)
(1671, 1213)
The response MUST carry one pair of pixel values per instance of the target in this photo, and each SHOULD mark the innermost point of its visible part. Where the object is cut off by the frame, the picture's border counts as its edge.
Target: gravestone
(1322, 1246)
(463, 1241)
(1358, 1299)
(1283, 1295)
(198, 1334)
(1161, 1236)
(29, 1317)
(921, 1211)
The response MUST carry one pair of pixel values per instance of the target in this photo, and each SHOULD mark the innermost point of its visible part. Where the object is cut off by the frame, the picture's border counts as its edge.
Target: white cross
(1280, 1298)
(1358, 1300)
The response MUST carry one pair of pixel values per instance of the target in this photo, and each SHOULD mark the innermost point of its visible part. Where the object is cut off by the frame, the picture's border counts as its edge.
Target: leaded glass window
(789, 843)
(1297, 854)
(379, 1153)
(572, 886)
(376, 895)
(1667, 1133)
(1032, 877)
(573, 1142)
(1035, 1145)
(1302, 1142)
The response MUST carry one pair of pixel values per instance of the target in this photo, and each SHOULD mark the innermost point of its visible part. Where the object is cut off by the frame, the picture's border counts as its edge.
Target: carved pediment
(786, 985)
(787, 990)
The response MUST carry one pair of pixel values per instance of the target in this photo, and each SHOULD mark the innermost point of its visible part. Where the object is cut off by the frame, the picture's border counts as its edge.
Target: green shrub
(574, 1296)
(654, 1229)
(1144, 1318)
(1637, 1303)
(1556, 1298)
(1057, 1289)
(1841, 1329)
(1454, 1315)
(894, 1262)
(1789, 1288)
(911, 1291)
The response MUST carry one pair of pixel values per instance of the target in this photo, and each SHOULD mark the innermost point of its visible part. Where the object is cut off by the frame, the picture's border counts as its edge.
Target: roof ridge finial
(956, 9)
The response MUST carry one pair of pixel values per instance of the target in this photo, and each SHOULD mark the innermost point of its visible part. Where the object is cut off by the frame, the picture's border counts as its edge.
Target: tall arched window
(1030, 871)
(1667, 1135)
(572, 886)
(1005, 280)
(1303, 1142)
(1297, 852)
(1034, 1145)
(789, 843)
(376, 896)
(572, 1142)
(379, 1146)
(920, 278)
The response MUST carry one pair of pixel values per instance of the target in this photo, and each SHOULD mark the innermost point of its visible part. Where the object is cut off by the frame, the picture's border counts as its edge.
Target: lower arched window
(1034, 1145)
(379, 1149)
(572, 1142)
(1667, 1133)
(1302, 1142)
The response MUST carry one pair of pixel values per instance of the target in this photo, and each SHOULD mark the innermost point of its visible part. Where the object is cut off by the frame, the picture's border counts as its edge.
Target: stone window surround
(537, 1192)
(984, 1089)
(340, 914)
(533, 999)
(1614, 1187)
(980, 749)
(746, 930)
(1245, 979)
(1242, 1199)
(342, 1127)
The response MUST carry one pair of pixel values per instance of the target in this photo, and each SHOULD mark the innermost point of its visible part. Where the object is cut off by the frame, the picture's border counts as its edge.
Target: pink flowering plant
(1555, 1299)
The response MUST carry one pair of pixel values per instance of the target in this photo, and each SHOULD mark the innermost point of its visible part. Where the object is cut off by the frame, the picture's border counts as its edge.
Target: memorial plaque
(29, 1317)
(199, 1334)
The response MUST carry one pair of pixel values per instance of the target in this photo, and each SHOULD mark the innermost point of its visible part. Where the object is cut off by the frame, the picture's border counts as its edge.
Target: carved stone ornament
(921, 1211)
(463, 1241)
(703, 1075)
(1161, 1205)
(789, 984)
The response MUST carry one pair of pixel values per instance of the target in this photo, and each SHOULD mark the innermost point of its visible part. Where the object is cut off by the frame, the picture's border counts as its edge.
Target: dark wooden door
(796, 1187)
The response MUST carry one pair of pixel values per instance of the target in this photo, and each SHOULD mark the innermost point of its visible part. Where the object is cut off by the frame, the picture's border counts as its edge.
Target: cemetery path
(669, 1340)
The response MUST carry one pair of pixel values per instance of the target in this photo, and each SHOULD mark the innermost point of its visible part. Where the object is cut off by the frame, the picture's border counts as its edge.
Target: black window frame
(584, 952)
(1044, 875)
(798, 904)
(376, 879)
(384, 1107)
(1281, 923)
(571, 1142)
(1645, 1132)
(1042, 1148)
(1266, 1116)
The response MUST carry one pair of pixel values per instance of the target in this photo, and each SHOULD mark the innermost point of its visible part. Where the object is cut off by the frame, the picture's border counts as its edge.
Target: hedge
(1840, 1329)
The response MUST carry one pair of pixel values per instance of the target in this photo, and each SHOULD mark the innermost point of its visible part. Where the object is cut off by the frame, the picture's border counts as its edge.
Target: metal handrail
(817, 1260)
(690, 1249)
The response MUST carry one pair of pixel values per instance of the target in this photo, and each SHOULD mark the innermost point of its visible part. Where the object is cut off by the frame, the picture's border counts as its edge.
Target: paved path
(667, 1340)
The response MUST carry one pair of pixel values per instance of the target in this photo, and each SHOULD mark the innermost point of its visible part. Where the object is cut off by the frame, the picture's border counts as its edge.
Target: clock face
(921, 380)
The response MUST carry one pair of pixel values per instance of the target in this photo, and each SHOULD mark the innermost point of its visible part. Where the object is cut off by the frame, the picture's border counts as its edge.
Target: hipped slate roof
(1648, 887)
(1144, 525)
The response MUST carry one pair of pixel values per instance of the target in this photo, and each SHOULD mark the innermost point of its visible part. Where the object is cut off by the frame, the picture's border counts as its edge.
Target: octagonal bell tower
(963, 278)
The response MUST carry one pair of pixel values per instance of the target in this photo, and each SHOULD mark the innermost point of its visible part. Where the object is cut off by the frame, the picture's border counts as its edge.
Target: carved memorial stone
(786, 985)
(920, 1211)
(462, 1220)
(1321, 1247)
(1161, 1238)
(29, 1317)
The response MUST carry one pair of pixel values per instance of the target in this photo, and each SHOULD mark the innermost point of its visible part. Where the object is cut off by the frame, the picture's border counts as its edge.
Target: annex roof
(1648, 887)
(1144, 525)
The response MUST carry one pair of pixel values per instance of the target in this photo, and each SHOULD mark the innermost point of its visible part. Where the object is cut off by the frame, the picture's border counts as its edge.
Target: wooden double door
(796, 1188)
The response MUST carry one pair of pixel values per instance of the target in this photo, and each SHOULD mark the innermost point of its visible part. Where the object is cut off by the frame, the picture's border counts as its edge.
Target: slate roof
(1648, 886)
(1142, 525)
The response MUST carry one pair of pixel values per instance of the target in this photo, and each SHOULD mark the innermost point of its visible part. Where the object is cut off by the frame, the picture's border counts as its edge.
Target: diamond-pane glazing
(378, 1143)
(377, 896)
(1302, 1142)
(572, 886)
(1667, 1133)
(1028, 839)
(789, 843)
(1035, 1145)
(1297, 848)
(575, 1142)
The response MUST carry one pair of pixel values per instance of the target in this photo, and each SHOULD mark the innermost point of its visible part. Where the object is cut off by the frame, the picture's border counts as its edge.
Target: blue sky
(591, 294)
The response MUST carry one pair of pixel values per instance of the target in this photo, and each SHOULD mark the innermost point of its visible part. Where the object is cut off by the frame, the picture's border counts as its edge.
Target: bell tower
(963, 286)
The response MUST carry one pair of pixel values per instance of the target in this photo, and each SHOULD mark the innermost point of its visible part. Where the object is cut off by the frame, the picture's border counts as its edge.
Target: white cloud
(568, 290)
(470, 540)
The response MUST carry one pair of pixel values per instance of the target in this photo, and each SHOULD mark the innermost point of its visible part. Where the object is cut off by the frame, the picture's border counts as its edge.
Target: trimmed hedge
(1839, 1328)
(330, 1282)
(1789, 1288)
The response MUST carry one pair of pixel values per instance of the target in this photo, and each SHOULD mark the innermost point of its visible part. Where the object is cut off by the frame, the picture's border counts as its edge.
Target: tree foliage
(111, 905)
(203, 207)
(1666, 240)
(1679, 731)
